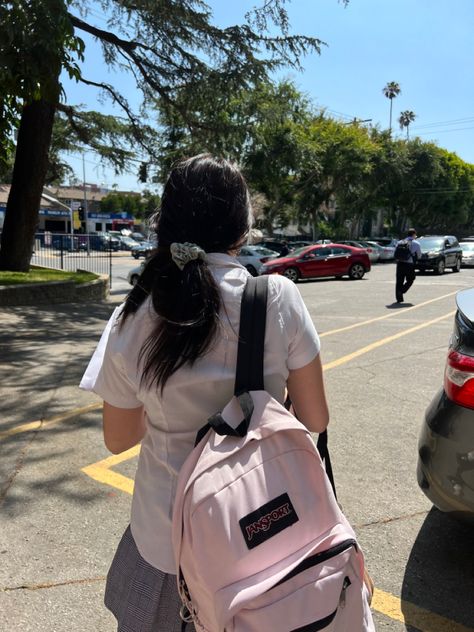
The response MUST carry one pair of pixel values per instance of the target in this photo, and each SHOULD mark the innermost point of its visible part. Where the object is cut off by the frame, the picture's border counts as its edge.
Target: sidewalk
(58, 527)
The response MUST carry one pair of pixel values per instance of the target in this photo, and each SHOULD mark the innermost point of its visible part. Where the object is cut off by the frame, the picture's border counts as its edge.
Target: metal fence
(73, 252)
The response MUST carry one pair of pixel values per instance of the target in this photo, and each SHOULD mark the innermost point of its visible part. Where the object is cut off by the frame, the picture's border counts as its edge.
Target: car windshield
(469, 247)
(260, 250)
(431, 243)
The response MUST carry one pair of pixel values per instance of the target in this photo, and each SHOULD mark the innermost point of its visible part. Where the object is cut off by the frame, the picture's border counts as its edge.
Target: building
(60, 209)
(54, 215)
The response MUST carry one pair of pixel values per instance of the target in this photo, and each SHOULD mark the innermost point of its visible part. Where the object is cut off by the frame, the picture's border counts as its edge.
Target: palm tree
(406, 117)
(391, 90)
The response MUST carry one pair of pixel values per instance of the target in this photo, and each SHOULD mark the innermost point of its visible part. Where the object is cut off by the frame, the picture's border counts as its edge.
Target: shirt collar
(222, 260)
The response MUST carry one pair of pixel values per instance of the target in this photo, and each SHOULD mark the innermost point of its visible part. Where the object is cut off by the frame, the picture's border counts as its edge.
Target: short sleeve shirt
(194, 393)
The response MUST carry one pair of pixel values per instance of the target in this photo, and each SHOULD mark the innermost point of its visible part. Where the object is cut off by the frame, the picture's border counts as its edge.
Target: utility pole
(356, 120)
(86, 214)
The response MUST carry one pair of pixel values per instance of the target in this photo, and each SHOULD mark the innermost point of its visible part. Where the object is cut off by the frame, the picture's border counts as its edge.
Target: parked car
(253, 257)
(134, 274)
(386, 241)
(138, 237)
(445, 468)
(369, 248)
(467, 248)
(438, 253)
(386, 253)
(127, 243)
(280, 247)
(143, 249)
(299, 244)
(320, 261)
(101, 241)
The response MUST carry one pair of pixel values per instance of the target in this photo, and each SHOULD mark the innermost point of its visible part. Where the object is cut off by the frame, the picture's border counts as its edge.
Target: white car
(253, 257)
(467, 253)
(134, 274)
(386, 253)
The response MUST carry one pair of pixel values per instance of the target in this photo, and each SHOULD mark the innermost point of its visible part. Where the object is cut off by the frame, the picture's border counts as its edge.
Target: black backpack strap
(253, 320)
(322, 446)
(250, 357)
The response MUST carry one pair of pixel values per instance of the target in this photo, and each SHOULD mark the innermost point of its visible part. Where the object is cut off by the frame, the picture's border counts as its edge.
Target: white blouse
(192, 394)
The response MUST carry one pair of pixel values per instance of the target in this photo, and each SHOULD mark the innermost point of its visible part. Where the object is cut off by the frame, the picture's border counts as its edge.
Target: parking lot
(65, 501)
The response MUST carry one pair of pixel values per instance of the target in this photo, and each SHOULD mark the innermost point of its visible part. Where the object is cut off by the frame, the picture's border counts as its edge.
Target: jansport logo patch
(268, 520)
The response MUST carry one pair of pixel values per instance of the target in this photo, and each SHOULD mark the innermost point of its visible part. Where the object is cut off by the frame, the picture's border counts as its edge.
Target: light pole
(86, 214)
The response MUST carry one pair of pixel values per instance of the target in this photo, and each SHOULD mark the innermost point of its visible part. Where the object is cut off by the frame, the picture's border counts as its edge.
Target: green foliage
(140, 206)
(37, 41)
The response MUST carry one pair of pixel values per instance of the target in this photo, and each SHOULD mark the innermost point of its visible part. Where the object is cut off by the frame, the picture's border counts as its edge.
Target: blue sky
(427, 46)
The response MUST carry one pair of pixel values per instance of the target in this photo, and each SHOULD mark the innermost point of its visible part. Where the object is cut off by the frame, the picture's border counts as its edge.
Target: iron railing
(73, 252)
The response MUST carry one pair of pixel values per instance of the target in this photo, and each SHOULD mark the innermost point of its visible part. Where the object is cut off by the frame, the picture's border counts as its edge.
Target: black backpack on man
(403, 252)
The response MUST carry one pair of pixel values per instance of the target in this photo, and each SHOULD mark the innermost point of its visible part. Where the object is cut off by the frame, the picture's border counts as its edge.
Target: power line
(444, 123)
(444, 131)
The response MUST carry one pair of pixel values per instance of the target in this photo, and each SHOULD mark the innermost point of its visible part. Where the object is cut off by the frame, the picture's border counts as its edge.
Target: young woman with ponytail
(169, 364)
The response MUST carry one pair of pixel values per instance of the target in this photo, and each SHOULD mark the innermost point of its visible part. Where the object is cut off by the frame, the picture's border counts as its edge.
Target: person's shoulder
(279, 284)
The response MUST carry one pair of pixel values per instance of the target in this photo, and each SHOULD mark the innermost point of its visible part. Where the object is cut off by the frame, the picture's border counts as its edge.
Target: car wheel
(134, 279)
(135, 255)
(457, 267)
(292, 274)
(441, 267)
(252, 270)
(356, 271)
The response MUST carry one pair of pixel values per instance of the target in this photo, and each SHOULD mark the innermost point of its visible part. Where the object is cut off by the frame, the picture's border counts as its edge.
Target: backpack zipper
(316, 559)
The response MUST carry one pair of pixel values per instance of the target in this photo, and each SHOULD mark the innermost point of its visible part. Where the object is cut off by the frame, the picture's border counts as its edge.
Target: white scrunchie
(184, 253)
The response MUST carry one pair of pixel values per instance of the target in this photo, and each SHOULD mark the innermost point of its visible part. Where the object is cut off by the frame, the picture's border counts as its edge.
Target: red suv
(320, 261)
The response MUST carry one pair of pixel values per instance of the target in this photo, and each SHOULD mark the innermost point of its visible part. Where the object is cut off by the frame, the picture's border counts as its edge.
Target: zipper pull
(345, 585)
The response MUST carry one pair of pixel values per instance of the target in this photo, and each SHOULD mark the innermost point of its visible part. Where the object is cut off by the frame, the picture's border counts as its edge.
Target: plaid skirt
(141, 597)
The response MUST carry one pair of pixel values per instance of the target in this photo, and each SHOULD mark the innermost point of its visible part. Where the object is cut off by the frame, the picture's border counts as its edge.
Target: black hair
(205, 202)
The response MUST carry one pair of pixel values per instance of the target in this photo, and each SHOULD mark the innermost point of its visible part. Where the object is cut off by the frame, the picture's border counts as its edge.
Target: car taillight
(264, 259)
(459, 379)
(369, 250)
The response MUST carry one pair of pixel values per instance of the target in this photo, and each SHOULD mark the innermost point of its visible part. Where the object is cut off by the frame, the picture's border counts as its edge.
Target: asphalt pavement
(64, 501)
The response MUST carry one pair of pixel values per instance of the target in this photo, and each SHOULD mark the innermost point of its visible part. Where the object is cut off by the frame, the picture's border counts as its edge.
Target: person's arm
(123, 427)
(306, 390)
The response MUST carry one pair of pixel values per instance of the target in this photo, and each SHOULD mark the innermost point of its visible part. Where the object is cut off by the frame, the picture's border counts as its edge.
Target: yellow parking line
(383, 341)
(40, 423)
(414, 616)
(385, 316)
(102, 473)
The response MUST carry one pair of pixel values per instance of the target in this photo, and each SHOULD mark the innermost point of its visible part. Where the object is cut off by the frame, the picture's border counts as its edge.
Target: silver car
(467, 253)
(253, 257)
(134, 273)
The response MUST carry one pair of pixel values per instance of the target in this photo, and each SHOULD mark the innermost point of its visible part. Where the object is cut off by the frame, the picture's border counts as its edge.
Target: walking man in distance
(406, 255)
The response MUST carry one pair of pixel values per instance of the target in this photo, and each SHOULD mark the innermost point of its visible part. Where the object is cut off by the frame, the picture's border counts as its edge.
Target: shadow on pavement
(439, 575)
(398, 305)
(45, 348)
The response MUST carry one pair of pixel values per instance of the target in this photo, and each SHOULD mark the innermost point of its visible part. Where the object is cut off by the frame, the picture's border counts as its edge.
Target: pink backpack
(259, 540)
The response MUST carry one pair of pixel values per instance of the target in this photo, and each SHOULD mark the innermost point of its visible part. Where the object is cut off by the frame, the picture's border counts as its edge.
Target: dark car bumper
(446, 457)
(427, 264)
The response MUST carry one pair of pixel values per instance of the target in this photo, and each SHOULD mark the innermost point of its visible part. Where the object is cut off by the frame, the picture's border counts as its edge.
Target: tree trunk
(31, 162)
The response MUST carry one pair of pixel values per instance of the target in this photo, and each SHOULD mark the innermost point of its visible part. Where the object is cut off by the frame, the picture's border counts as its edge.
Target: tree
(170, 47)
(37, 42)
(405, 119)
(336, 161)
(391, 91)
